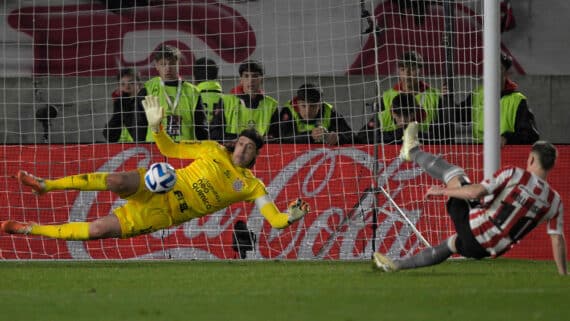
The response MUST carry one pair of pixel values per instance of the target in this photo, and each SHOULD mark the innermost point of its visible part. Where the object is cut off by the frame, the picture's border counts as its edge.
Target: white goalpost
(60, 60)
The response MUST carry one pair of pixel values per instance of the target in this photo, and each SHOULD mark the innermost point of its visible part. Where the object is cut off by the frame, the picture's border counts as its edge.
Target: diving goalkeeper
(215, 179)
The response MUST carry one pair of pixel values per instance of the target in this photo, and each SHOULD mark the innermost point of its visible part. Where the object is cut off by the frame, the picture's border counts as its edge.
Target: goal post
(60, 61)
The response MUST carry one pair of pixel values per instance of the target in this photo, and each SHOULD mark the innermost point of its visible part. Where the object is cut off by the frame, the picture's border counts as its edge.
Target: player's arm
(555, 228)
(559, 253)
(476, 191)
(466, 192)
(296, 210)
(154, 113)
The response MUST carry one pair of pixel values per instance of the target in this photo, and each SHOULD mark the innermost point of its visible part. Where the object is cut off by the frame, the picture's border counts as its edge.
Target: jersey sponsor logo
(203, 188)
(182, 205)
(237, 185)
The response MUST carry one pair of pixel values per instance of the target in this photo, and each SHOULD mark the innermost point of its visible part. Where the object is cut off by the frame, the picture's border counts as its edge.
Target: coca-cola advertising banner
(353, 211)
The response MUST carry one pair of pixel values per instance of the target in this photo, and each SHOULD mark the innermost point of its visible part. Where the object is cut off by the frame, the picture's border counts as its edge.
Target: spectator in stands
(427, 97)
(490, 217)
(248, 107)
(205, 72)
(184, 113)
(517, 124)
(123, 125)
(404, 110)
(308, 119)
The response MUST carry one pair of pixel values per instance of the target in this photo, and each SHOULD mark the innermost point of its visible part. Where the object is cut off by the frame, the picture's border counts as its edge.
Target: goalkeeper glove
(297, 209)
(153, 112)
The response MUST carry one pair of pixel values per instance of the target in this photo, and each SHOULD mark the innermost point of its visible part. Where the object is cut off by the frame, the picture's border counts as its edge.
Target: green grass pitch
(281, 290)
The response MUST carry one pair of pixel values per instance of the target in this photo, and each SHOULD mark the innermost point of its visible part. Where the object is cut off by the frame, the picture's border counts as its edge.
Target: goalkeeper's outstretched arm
(297, 209)
(167, 147)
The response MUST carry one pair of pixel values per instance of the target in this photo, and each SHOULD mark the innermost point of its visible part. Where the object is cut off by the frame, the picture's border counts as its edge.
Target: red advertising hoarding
(351, 213)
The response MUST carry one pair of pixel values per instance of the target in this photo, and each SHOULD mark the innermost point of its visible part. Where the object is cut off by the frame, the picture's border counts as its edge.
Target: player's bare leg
(104, 227)
(122, 183)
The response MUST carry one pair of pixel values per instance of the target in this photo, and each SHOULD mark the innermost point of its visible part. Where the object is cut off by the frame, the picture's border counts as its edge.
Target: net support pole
(374, 28)
(449, 12)
(491, 87)
(448, 98)
(405, 217)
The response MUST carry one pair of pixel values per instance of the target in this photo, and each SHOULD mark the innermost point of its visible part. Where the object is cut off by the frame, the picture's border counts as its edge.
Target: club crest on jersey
(237, 185)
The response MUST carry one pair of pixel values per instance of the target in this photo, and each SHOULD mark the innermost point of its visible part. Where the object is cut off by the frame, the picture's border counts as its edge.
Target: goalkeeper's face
(245, 152)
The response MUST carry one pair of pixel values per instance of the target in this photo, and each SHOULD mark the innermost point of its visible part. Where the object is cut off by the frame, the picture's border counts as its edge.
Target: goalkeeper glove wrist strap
(156, 129)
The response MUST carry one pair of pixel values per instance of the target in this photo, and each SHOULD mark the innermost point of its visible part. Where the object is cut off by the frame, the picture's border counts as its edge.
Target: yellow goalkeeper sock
(82, 182)
(75, 231)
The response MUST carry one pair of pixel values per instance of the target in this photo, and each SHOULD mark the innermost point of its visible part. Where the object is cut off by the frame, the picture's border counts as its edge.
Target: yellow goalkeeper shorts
(144, 212)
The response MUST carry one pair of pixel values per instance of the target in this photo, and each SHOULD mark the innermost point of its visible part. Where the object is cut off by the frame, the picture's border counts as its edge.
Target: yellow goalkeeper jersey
(211, 182)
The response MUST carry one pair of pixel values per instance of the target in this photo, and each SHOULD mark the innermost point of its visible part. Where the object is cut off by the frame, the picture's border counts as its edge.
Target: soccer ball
(160, 178)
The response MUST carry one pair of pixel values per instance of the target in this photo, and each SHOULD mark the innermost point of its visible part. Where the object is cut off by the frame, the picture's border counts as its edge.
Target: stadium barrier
(337, 182)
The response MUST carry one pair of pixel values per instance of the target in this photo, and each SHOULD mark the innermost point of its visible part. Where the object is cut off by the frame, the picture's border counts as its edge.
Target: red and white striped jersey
(517, 201)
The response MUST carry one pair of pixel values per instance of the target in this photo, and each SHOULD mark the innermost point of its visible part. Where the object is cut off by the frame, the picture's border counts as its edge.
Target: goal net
(60, 64)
